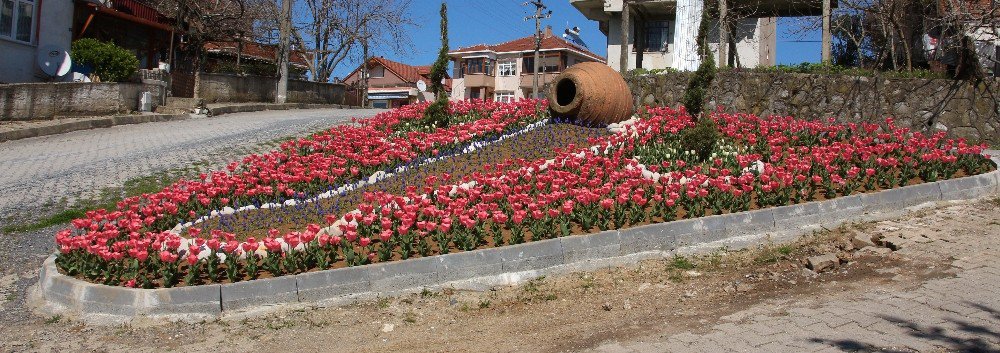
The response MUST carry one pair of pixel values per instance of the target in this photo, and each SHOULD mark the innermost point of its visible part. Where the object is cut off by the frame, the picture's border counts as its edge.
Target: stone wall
(30, 101)
(962, 108)
(225, 88)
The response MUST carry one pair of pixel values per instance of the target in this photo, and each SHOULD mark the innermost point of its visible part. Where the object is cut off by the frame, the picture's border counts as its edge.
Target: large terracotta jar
(591, 94)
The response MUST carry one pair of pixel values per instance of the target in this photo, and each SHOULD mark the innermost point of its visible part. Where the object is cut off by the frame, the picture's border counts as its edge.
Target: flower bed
(635, 176)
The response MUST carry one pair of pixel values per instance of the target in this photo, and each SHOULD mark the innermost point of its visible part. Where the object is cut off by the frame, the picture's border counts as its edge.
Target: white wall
(18, 63)
(755, 43)
(458, 89)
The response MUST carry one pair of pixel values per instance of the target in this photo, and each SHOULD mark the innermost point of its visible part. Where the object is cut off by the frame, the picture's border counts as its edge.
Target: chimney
(548, 31)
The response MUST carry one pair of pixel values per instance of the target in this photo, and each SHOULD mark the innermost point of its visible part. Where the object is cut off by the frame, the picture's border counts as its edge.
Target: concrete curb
(246, 108)
(88, 124)
(482, 268)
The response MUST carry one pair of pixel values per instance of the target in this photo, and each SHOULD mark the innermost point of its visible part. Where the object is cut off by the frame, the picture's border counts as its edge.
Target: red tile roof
(258, 51)
(407, 73)
(525, 44)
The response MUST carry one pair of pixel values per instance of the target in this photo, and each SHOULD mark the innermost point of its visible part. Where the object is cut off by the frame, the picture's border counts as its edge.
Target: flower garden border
(58, 293)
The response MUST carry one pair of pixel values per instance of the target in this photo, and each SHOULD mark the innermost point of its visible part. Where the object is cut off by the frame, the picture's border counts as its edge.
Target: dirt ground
(580, 311)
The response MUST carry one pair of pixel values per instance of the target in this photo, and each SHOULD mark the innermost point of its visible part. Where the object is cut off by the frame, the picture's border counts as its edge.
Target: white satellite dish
(54, 60)
(422, 86)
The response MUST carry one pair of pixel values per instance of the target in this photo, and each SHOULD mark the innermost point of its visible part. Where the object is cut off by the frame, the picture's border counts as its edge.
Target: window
(475, 93)
(657, 35)
(504, 96)
(478, 66)
(550, 63)
(17, 19)
(377, 72)
(507, 68)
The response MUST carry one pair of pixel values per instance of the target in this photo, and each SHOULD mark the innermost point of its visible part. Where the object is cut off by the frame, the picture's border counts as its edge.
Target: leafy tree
(110, 62)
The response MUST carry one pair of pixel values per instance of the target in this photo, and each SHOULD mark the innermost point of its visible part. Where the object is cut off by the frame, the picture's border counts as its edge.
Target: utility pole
(286, 27)
(827, 40)
(539, 7)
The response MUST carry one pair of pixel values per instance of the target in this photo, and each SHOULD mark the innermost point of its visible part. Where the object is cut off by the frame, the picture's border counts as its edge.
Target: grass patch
(58, 218)
(109, 197)
(10, 297)
(681, 263)
(53, 319)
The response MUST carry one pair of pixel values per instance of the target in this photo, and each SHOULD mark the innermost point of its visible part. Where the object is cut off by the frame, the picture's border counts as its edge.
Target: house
(505, 71)
(251, 58)
(662, 32)
(393, 84)
(29, 29)
(130, 24)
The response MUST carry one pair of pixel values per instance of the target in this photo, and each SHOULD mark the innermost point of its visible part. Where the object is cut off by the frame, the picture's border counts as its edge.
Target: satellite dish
(54, 60)
(422, 86)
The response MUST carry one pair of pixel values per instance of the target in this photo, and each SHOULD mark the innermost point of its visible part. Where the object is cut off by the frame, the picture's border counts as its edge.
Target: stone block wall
(962, 108)
(31, 101)
(226, 88)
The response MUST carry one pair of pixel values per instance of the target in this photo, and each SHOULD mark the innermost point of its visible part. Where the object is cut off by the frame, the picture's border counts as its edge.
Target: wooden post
(626, 28)
(827, 37)
(723, 34)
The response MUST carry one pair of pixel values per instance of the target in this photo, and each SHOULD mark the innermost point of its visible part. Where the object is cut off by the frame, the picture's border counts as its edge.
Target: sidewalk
(16, 130)
(215, 109)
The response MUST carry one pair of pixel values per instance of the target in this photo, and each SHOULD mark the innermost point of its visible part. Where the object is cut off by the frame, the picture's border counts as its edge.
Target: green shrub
(701, 138)
(829, 69)
(109, 61)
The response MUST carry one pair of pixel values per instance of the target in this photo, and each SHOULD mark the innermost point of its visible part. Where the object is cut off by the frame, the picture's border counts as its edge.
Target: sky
(473, 22)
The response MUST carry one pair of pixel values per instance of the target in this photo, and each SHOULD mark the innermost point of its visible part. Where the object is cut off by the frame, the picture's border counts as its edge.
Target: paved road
(39, 176)
(47, 169)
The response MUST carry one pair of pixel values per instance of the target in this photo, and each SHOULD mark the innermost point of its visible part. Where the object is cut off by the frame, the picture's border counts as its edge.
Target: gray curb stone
(660, 237)
(969, 187)
(250, 294)
(329, 284)
(204, 300)
(532, 256)
(594, 247)
(63, 293)
(399, 275)
(471, 264)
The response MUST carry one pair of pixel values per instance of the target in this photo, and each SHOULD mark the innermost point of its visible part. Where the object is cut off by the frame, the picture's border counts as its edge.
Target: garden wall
(962, 108)
(226, 88)
(30, 101)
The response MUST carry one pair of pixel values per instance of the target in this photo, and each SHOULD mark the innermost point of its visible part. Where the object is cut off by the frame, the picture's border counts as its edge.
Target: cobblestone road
(41, 170)
(954, 314)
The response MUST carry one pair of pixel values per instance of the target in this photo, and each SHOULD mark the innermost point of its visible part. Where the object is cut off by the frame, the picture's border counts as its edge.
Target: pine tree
(437, 112)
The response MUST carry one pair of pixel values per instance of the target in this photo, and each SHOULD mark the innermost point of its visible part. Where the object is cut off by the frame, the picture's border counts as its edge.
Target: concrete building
(27, 28)
(505, 72)
(662, 32)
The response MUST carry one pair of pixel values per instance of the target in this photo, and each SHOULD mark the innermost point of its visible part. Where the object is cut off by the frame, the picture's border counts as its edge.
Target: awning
(388, 95)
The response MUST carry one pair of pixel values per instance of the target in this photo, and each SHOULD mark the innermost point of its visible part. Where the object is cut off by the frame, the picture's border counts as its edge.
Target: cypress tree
(437, 112)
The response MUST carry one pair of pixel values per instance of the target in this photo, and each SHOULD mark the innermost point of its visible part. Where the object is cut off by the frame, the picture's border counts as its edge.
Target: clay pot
(590, 94)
